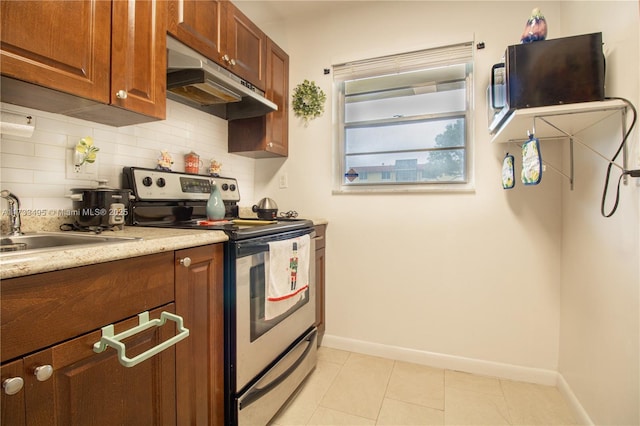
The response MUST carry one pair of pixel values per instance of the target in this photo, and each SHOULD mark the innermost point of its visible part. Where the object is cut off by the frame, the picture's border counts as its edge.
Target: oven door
(260, 342)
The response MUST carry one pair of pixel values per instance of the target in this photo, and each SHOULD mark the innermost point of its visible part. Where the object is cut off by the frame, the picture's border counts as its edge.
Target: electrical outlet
(284, 181)
(88, 171)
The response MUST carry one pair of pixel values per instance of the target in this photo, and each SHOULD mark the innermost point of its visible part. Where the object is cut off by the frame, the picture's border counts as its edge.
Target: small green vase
(215, 205)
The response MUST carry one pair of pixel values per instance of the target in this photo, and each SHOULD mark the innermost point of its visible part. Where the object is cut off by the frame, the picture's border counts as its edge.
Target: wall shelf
(568, 120)
(562, 122)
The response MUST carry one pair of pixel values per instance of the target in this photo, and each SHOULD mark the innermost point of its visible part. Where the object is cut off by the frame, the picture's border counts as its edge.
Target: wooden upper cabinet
(83, 58)
(138, 56)
(220, 31)
(199, 24)
(266, 136)
(245, 47)
(278, 93)
(58, 44)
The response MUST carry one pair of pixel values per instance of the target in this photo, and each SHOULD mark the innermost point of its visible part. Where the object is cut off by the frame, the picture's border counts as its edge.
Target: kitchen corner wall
(599, 357)
(35, 168)
(461, 280)
(531, 281)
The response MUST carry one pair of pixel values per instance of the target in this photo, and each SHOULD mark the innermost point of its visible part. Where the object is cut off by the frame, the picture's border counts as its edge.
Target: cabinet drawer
(43, 309)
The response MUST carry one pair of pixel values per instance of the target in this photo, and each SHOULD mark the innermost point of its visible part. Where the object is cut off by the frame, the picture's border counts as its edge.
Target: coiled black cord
(624, 172)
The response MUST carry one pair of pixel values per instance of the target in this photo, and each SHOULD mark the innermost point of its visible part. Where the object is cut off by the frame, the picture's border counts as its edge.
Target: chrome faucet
(14, 211)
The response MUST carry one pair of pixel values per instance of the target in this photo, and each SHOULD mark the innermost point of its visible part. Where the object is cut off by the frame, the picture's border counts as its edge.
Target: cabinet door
(198, 24)
(245, 45)
(12, 408)
(63, 45)
(200, 358)
(266, 136)
(138, 56)
(89, 388)
(278, 93)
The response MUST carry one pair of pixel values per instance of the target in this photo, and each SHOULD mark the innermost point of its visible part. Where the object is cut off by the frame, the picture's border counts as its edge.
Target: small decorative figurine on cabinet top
(536, 28)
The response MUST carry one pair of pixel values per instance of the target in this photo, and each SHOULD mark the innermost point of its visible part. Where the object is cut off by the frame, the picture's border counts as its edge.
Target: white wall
(533, 277)
(34, 168)
(600, 320)
(465, 275)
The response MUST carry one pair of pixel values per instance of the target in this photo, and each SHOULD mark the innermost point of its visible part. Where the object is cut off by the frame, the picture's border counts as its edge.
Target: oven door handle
(256, 393)
(494, 105)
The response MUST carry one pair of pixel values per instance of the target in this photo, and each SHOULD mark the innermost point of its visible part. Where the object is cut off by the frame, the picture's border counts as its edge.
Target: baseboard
(578, 410)
(449, 362)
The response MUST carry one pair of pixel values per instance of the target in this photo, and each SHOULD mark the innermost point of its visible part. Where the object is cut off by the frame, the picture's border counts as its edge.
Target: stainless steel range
(269, 286)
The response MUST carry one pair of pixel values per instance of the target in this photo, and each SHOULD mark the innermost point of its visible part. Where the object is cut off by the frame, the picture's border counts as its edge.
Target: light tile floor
(353, 389)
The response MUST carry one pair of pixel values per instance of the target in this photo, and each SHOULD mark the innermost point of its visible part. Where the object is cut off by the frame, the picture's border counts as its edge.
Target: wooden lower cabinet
(88, 388)
(320, 279)
(200, 358)
(50, 322)
(12, 407)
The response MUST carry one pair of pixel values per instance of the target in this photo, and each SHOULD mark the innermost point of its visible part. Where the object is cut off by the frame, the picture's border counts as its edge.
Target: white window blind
(403, 121)
(441, 56)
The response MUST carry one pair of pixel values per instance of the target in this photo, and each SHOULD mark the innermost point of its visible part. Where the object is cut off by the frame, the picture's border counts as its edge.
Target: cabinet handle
(121, 94)
(228, 60)
(43, 372)
(114, 340)
(186, 262)
(12, 385)
(270, 144)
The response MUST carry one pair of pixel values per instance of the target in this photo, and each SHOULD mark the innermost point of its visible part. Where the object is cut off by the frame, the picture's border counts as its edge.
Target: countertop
(153, 240)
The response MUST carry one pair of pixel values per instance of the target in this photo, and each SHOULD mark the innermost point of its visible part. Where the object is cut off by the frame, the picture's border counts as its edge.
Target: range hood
(200, 83)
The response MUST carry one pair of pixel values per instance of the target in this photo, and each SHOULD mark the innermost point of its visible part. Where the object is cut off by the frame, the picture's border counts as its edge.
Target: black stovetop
(240, 230)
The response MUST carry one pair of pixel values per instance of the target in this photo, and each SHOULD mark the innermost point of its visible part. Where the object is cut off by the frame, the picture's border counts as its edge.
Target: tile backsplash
(35, 168)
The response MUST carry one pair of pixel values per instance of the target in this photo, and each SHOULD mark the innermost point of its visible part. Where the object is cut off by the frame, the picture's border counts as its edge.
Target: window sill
(461, 188)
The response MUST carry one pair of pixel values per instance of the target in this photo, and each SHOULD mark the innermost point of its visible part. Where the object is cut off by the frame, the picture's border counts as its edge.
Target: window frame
(340, 127)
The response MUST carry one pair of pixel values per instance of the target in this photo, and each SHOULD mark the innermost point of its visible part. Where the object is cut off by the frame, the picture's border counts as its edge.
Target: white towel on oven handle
(287, 274)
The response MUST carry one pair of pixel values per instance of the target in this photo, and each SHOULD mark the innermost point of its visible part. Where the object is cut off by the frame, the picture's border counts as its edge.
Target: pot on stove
(267, 209)
(100, 208)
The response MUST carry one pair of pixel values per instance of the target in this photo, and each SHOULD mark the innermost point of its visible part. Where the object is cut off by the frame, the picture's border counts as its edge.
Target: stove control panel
(159, 185)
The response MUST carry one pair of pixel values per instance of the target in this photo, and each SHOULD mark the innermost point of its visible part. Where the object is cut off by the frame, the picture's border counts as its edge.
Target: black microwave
(551, 72)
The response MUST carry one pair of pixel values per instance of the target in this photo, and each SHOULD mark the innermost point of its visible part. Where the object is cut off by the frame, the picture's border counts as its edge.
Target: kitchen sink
(46, 241)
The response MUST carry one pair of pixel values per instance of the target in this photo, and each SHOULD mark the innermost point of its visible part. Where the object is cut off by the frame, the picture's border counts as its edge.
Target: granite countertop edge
(151, 240)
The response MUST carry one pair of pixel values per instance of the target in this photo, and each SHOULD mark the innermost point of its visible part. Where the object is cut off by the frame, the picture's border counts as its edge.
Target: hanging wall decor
(85, 152)
(308, 100)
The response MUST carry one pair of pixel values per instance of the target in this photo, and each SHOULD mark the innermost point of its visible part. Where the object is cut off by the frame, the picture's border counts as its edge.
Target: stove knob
(232, 187)
(147, 181)
(225, 186)
(161, 182)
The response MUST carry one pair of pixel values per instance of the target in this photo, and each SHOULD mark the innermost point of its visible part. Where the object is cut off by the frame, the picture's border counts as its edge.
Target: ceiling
(263, 12)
